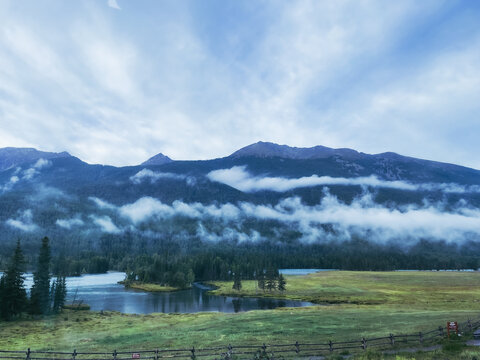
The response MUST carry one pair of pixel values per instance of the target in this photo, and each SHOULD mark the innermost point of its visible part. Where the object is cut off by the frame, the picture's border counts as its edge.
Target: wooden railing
(263, 351)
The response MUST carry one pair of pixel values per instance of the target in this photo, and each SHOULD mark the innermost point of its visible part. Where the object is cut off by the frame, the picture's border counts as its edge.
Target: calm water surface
(302, 271)
(102, 292)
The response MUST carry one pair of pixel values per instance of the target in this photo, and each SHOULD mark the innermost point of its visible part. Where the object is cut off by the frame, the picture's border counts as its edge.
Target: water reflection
(102, 292)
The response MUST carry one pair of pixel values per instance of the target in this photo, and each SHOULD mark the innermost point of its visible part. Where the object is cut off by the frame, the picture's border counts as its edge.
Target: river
(102, 292)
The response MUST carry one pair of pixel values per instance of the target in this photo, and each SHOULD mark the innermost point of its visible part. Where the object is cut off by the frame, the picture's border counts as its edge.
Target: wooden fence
(264, 351)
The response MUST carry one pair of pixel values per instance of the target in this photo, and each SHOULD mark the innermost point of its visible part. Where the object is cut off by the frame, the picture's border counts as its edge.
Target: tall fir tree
(40, 294)
(13, 296)
(59, 294)
(271, 281)
(282, 283)
(237, 281)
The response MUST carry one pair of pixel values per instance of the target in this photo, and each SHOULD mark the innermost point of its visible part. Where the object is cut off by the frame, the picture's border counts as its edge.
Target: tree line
(169, 261)
(267, 280)
(46, 296)
(212, 260)
(179, 266)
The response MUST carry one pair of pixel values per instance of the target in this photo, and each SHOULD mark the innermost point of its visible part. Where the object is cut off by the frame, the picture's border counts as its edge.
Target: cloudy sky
(117, 81)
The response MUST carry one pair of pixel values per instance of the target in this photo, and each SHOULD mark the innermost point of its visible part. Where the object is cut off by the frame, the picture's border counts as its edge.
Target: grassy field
(366, 304)
(419, 289)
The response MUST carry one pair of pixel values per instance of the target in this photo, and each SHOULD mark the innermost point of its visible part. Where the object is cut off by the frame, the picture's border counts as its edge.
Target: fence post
(74, 354)
(364, 344)
(297, 347)
(156, 354)
(392, 339)
(115, 354)
(330, 345)
(421, 337)
(193, 357)
(28, 354)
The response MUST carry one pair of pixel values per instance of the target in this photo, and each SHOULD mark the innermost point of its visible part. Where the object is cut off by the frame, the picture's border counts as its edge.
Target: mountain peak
(12, 156)
(263, 149)
(158, 159)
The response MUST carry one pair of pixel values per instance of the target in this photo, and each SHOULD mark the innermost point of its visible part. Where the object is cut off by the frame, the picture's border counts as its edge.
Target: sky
(118, 81)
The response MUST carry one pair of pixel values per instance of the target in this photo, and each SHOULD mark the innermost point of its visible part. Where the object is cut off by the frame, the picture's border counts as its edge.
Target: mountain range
(262, 191)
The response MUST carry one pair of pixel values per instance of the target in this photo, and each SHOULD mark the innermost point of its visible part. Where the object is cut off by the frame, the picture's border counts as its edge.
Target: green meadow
(351, 305)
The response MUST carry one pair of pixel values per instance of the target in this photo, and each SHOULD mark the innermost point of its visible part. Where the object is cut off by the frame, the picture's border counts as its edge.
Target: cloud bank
(239, 178)
(329, 220)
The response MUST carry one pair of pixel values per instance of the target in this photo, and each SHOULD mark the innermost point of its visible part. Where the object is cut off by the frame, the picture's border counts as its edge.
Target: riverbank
(148, 287)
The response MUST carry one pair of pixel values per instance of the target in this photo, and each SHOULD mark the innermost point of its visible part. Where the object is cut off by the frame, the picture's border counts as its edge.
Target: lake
(102, 292)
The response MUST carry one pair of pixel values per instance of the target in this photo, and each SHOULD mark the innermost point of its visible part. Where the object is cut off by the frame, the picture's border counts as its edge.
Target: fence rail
(246, 351)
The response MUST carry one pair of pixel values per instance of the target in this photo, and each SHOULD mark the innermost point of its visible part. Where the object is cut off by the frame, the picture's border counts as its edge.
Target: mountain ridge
(12, 156)
(269, 149)
(158, 159)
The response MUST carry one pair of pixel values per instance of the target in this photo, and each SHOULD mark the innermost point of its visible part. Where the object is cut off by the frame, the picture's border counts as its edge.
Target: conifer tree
(59, 294)
(13, 296)
(237, 281)
(40, 294)
(282, 283)
(261, 280)
(271, 283)
(3, 307)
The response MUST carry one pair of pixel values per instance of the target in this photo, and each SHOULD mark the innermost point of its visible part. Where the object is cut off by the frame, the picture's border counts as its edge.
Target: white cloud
(113, 4)
(24, 222)
(106, 224)
(344, 74)
(9, 185)
(42, 163)
(102, 204)
(229, 234)
(153, 176)
(29, 173)
(239, 178)
(145, 208)
(43, 192)
(69, 223)
(362, 217)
